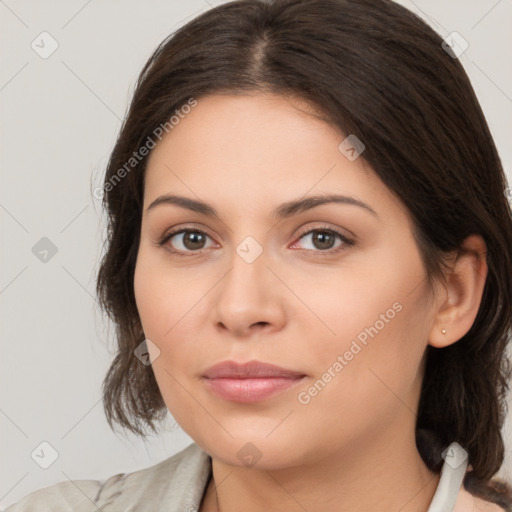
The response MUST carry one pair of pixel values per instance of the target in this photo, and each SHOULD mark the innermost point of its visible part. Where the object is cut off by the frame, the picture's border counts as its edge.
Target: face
(334, 293)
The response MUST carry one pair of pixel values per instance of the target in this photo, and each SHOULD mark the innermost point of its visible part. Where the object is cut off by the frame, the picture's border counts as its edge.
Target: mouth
(249, 382)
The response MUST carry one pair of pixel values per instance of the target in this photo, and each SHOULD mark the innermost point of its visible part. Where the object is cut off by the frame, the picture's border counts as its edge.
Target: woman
(308, 265)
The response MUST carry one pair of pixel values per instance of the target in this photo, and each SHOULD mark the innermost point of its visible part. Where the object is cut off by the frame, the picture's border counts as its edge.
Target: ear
(460, 299)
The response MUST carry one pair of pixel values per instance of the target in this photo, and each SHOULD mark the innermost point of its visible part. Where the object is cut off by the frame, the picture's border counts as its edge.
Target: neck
(384, 472)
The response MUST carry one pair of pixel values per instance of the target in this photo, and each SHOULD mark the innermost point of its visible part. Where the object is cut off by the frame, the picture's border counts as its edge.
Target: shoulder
(184, 473)
(466, 502)
(61, 496)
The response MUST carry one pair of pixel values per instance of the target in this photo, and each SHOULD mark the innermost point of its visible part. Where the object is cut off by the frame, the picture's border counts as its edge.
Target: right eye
(186, 241)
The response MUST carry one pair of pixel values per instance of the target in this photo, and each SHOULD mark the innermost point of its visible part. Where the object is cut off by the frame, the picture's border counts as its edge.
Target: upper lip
(251, 369)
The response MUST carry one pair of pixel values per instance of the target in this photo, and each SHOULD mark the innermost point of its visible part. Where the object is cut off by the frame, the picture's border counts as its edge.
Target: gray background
(59, 119)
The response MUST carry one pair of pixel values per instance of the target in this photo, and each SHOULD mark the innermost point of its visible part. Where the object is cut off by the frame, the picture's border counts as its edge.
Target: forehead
(257, 150)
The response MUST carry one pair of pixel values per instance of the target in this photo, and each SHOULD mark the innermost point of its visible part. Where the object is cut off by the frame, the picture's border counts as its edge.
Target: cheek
(171, 306)
(363, 386)
(376, 336)
(160, 308)
(165, 294)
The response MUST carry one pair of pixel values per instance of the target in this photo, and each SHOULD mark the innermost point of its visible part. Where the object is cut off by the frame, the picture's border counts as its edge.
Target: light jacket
(176, 484)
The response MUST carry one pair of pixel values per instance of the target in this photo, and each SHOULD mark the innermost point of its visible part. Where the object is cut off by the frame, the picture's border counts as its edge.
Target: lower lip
(250, 390)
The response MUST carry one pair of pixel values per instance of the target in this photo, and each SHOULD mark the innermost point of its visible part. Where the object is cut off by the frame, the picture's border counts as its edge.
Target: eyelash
(347, 242)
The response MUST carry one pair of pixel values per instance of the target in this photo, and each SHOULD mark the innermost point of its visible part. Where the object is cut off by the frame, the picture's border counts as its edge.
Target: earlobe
(463, 293)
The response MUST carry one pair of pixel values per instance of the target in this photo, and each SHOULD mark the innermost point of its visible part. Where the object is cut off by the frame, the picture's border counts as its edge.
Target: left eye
(324, 239)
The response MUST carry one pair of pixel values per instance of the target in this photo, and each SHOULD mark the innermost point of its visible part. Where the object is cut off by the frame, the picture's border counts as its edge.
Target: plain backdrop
(59, 119)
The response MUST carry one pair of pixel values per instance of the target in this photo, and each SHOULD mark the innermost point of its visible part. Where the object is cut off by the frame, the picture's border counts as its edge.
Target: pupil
(193, 240)
(321, 238)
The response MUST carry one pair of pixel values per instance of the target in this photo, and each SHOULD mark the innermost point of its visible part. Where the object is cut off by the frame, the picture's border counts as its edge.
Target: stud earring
(444, 331)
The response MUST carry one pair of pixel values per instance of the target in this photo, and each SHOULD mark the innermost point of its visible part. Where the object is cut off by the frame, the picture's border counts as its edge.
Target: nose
(249, 299)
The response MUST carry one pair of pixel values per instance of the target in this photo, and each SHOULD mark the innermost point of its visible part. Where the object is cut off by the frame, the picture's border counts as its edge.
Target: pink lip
(249, 382)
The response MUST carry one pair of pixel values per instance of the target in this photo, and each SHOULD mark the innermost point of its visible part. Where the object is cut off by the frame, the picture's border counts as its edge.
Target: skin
(352, 446)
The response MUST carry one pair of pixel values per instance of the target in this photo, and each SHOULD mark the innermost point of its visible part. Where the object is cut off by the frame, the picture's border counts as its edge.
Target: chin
(258, 451)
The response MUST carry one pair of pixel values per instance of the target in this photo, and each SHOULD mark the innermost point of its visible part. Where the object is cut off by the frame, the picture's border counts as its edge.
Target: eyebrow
(283, 211)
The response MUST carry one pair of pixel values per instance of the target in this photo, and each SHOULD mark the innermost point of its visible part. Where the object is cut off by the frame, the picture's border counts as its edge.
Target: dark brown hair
(377, 71)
